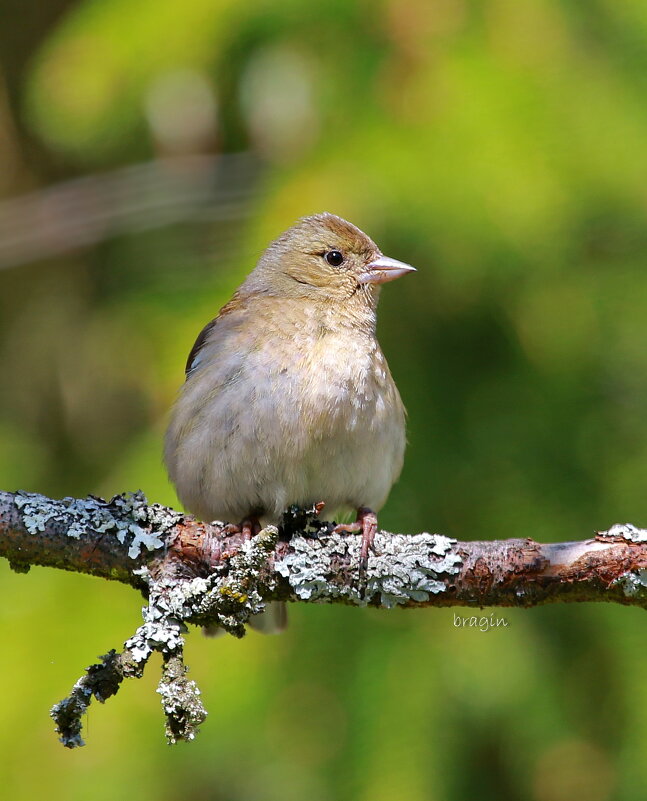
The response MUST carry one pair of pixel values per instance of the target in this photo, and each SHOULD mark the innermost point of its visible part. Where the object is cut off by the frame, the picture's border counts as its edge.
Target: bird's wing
(194, 356)
(198, 344)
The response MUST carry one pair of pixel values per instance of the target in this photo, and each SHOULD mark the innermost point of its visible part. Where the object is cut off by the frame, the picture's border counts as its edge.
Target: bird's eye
(334, 258)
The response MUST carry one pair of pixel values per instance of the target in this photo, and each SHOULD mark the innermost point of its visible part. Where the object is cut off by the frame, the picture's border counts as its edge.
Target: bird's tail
(272, 620)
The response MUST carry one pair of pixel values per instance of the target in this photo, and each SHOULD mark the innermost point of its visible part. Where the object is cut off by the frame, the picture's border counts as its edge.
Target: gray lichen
(68, 714)
(162, 627)
(210, 577)
(128, 517)
(181, 702)
(406, 568)
(633, 583)
(627, 531)
(100, 681)
(228, 597)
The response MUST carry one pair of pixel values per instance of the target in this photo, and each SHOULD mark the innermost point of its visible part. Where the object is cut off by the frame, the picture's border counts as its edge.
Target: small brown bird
(288, 398)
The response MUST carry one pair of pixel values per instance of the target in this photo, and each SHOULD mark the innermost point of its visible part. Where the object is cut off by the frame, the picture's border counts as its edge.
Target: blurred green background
(148, 152)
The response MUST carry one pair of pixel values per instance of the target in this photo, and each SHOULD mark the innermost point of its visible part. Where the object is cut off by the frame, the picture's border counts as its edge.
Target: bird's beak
(384, 269)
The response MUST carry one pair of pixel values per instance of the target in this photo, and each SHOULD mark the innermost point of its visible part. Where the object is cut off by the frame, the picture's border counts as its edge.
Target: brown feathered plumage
(288, 398)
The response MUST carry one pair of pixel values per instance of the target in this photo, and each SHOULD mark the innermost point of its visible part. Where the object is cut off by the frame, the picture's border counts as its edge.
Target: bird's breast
(335, 412)
(302, 414)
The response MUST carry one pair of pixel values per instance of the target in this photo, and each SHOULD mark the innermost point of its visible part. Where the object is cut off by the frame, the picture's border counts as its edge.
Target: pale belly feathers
(287, 424)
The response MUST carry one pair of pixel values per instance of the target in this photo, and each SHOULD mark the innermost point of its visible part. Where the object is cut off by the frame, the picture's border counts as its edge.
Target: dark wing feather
(231, 306)
(197, 347)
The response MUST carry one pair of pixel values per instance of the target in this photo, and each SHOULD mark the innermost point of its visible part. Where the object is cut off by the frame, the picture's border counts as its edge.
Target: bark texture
(207, 574)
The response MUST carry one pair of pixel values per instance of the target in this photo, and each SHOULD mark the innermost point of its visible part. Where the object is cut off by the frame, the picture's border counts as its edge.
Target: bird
(288, 398)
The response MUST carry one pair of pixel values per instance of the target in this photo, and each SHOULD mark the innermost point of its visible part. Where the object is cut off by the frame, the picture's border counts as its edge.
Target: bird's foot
(248, 528)
(366, 523)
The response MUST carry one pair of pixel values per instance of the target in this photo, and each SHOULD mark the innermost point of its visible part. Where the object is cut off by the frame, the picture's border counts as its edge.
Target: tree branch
(206, 574)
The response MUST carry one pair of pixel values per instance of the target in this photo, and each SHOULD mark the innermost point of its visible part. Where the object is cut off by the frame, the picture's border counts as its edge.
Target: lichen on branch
(209, 575)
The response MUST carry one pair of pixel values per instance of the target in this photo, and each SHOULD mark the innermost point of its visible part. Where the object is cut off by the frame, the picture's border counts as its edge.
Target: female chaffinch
(288, 398)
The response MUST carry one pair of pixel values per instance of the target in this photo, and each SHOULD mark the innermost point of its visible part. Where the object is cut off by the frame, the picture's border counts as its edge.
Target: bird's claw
(248, 528)
(366, 523)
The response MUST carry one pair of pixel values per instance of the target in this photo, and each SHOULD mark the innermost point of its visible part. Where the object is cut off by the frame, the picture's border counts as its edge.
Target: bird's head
(324, 258)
